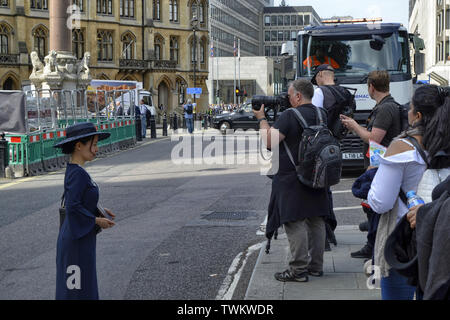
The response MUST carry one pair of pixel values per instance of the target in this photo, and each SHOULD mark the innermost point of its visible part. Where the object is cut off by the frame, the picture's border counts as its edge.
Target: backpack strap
(300, 118)
(288, 151)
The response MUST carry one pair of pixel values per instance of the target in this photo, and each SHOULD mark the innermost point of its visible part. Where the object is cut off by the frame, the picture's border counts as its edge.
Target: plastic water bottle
(413, 199)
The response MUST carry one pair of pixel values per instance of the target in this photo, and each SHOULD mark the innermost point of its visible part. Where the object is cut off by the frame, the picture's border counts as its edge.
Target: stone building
(431, 20)
(151, 41)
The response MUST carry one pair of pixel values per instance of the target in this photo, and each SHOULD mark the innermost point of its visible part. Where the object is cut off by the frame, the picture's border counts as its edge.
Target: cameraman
(299, 208)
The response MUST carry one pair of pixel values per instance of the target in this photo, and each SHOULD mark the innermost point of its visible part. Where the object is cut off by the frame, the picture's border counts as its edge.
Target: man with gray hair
(299, 208)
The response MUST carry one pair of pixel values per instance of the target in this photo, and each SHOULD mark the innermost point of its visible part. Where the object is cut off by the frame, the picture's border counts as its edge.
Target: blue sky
(389, 10)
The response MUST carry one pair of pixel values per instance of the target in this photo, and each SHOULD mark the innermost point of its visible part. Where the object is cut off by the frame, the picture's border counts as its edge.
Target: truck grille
(351, 144)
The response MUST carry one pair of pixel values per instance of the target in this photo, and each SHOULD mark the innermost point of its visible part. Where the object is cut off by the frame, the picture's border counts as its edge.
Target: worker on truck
(318, 59)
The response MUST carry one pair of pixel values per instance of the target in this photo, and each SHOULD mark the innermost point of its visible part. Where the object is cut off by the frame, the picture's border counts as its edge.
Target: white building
(431, 20)
(258, 76)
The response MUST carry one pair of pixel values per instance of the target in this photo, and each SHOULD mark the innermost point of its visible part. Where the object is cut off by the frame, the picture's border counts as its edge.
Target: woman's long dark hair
(433, 103)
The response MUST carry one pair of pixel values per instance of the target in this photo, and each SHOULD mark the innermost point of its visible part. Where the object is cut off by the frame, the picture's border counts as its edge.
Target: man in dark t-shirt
(299, 208)
(383, 126)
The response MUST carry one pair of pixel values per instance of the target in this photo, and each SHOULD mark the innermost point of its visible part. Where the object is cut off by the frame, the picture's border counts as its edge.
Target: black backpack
(190, 109)
(319, 155)
(344, 104)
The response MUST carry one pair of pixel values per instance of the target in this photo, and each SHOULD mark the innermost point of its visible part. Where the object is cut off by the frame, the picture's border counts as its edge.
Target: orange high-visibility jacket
(314, 62)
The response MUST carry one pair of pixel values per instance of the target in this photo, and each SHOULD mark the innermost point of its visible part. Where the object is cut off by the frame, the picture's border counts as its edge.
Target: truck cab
(354, 50)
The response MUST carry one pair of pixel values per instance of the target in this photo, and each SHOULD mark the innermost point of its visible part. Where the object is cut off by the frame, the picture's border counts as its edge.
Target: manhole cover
(227, 216)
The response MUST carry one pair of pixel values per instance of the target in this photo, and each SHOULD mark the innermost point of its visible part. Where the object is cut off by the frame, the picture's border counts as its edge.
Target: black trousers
(373, 219)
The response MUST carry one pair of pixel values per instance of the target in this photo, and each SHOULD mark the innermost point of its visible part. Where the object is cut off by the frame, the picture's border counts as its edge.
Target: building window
(104, 7)
(174, 48)
(4, 3)
(273, 20)
(181, 89)
(307, 20)
(201, 13)
(300, 20)
(79, 4)
(266, 35)
(39, 4)
(267, 51)
(293, 20)
(127, 8)
(273, 35)
(105, 45)
(202, 52)
(157, 10)
(193, 50)
(287, 20)
(173, 10)
(4, 39)
(78, 43)
(267, 20)
(158, 48)
(128, 44)
(280, 20)
(40, 36)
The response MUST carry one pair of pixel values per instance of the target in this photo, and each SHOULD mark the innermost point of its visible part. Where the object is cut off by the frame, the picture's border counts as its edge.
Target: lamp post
(194, 23)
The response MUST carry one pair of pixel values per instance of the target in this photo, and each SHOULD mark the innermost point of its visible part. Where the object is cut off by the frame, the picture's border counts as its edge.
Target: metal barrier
(49, 112)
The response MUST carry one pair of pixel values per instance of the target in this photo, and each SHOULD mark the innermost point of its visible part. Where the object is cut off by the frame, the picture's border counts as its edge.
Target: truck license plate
(352, 156)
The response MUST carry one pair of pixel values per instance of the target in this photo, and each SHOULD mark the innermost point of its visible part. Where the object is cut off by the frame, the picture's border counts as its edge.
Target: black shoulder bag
(62, 214)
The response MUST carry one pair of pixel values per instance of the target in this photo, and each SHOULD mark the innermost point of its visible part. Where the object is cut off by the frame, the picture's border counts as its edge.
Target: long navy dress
(76, 247)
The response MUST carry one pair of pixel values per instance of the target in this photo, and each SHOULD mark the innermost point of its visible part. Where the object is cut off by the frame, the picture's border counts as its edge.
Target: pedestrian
(298, 208)
(189, 116)
(119, 109)
(336, 100)
(400, 171)
(76, 274)
(143, 111)
(383, 125)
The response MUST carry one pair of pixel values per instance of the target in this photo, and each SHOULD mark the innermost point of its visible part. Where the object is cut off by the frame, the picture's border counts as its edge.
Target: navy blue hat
(79, 131)
(320, 68)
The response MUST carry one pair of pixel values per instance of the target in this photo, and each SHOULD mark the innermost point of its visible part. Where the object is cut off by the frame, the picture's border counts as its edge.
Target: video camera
(280, 102)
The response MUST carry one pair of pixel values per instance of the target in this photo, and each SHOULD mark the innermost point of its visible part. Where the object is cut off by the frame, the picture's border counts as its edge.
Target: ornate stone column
(60, 69)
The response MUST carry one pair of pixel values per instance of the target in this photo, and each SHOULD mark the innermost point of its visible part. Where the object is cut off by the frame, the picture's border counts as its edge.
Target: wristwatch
(259, 121)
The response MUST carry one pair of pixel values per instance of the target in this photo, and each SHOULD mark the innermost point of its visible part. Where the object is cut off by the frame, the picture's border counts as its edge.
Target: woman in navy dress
(76, 274)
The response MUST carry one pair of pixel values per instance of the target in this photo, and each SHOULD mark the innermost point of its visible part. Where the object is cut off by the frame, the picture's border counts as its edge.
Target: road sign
(194, 90)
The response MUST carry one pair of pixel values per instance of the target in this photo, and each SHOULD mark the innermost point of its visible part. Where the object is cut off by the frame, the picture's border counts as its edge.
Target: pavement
(343, 277)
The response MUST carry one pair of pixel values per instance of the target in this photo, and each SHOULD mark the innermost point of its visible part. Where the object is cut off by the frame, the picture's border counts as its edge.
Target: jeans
(144, 126)
(190, 124)
(395, 287)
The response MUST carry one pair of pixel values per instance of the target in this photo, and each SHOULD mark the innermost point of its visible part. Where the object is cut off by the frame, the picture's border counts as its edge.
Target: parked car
(241, 119)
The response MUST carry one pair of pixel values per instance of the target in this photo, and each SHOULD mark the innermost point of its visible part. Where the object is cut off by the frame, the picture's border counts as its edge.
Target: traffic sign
(194, 90)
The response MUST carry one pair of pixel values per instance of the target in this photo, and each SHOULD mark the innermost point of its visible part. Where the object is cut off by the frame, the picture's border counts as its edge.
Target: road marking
(262, 228)
(342, 191)
(229, 285)
(347, 208)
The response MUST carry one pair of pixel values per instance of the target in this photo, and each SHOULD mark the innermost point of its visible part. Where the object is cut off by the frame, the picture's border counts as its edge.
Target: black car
(243, 118)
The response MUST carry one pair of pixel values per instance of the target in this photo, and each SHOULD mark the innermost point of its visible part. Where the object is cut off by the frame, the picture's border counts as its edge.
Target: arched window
(78, 43)
(174, 49)
(105, 45)
(157, 10)
(181, 90)
(4, 39)
(40, 36)
(128, 45)
(194, 10)
(159, 48)
(202, 54)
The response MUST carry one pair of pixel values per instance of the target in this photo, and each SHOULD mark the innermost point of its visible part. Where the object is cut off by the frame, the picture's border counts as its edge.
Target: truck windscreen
(356, 55)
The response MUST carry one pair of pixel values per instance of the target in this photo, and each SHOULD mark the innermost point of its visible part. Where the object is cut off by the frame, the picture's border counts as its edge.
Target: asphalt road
(183, 230)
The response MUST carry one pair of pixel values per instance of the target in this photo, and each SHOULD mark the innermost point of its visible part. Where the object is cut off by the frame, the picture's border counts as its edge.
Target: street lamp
(194, 23)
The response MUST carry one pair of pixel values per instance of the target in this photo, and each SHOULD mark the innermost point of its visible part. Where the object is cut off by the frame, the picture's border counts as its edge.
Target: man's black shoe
(364, 253)
(364, 226)
(327, 246)
(289, 276)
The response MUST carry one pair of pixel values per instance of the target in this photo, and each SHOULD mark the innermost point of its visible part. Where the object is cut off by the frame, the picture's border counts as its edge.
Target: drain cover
(227, 216)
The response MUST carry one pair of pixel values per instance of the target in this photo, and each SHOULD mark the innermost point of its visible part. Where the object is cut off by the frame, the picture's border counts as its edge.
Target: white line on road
(229, 285)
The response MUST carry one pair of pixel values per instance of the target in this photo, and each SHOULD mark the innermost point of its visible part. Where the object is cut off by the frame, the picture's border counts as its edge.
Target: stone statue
(51, 66)
(38, 66)
(83, 66)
